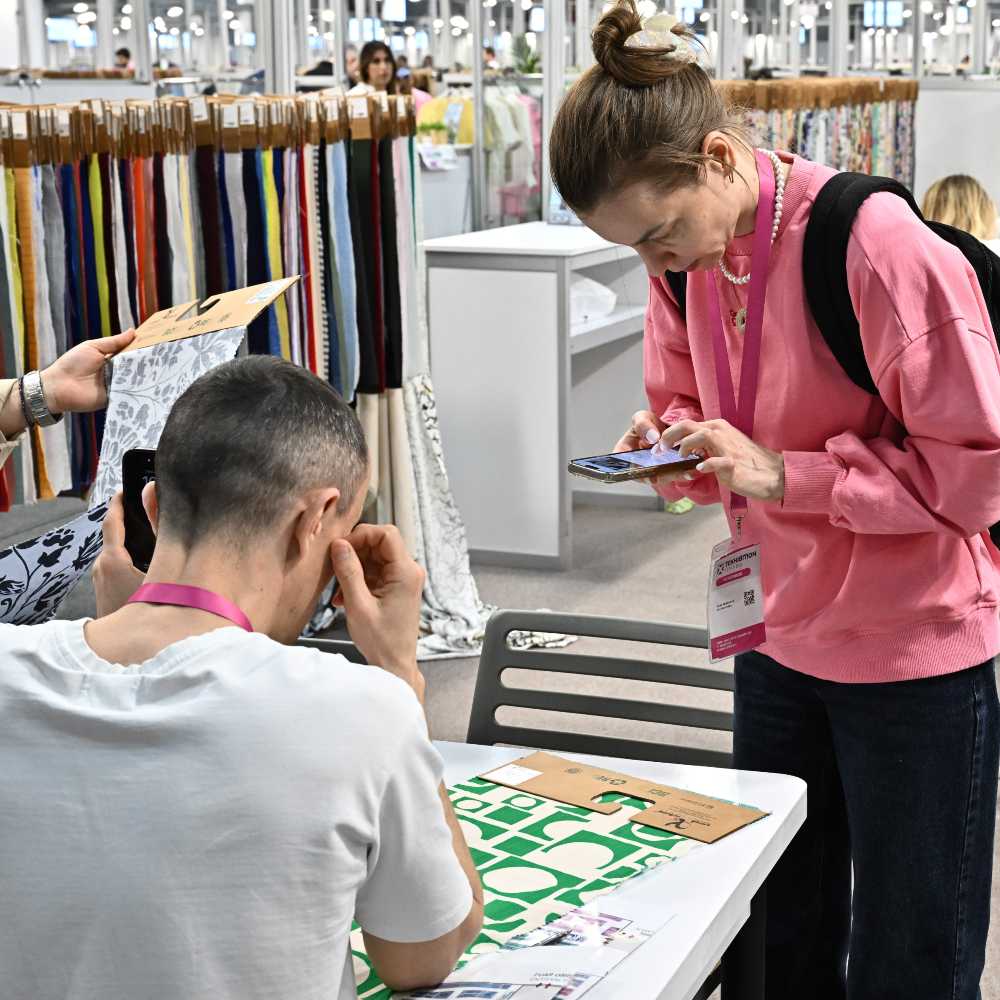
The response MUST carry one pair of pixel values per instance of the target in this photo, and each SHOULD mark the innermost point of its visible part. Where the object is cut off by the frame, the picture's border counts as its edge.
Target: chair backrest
(346, 649)
(492, 693)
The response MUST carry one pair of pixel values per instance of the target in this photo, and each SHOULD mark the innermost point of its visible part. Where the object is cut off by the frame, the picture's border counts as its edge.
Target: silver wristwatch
(34, 400)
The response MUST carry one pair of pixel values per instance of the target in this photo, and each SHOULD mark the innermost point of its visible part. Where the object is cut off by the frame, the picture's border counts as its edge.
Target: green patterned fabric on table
(539, 859)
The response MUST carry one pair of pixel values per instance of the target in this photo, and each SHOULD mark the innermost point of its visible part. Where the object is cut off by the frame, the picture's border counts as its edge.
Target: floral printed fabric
(145, 385)
(36, 575)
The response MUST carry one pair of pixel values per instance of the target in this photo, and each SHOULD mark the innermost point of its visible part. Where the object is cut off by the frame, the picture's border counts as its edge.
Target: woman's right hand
(644, 433)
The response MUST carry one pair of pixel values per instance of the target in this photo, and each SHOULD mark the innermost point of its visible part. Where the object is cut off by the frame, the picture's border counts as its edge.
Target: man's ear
(151, 505)
(315, 517)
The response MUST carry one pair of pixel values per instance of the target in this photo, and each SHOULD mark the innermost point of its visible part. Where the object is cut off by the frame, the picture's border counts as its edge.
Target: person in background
(351, 65)
(323, 68)
(490, 58)
(961, 201)
(402, 62)
(74, 383)
(123, 59)
(379, 72)
(196, 806)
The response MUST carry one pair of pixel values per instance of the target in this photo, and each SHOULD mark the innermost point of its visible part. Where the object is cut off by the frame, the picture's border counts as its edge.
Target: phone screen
(138, 468)
(630, 459)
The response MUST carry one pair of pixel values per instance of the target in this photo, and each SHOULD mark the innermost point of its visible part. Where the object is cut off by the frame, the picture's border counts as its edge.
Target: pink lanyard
(742, 416)
(183, 596)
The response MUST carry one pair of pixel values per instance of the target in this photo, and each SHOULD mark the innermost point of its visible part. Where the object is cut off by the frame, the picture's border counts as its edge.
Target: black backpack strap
(824, 266)
(678, 283)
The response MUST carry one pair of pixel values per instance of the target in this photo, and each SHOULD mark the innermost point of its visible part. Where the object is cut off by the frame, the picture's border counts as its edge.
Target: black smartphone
(628, 465)
(138, 468)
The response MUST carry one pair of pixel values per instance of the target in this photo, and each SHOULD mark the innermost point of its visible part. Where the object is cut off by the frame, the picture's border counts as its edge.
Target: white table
(710, 891)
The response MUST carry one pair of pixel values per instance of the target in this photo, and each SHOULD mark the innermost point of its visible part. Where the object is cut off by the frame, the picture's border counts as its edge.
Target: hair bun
(633, 66)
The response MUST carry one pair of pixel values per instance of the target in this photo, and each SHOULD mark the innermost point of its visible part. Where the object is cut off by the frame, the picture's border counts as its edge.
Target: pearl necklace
(779, 198)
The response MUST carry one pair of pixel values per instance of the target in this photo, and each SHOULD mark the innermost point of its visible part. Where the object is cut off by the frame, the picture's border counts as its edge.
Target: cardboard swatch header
(220, 312)
(673, 810)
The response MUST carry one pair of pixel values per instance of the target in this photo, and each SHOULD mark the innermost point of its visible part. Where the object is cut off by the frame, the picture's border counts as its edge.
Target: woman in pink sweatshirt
(876, 682)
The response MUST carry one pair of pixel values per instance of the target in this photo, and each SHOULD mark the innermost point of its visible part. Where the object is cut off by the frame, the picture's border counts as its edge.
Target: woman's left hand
(74, 383)
(740, 464)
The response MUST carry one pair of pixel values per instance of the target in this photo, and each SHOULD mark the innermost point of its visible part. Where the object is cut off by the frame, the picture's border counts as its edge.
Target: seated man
(197, 811)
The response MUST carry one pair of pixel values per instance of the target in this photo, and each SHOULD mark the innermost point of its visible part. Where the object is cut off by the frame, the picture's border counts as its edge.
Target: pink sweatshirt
(875, 567)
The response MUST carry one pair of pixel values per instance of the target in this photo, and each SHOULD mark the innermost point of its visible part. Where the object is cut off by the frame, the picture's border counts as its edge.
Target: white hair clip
(657, 33)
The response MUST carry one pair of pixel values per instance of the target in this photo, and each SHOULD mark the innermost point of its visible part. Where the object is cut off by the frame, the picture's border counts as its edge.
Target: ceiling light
(996, 22)
(328, 36)
(409, 30)
(438, 24)
(927, 6)
(744, 19)
(235, 25)
(493, 24)
(735, 15)
(705, 18)
(160, 25)
(126, 24)
(127, 8)
(227, 15)
(456, 32)
(115, 31)
(80, 8)
(938, 15)
(175, 32)
(175, 11)
(87, 18)
(328, 16)
(907, 13)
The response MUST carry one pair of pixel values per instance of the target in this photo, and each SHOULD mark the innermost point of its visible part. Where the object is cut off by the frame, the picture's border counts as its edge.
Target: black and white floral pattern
(144, 386)
(36, 575)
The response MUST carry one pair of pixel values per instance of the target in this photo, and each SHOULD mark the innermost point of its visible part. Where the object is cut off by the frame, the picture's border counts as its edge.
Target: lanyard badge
(735, 596)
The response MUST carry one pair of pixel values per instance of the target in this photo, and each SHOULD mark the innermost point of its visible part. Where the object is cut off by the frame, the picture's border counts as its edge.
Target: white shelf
(625, 321)
(531, 239)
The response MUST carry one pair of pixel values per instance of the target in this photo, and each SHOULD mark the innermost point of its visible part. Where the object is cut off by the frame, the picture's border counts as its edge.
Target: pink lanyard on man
(183, 596)
(741, 413)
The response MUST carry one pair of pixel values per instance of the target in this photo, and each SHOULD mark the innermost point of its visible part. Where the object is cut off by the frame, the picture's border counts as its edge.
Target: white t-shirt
(204, 826)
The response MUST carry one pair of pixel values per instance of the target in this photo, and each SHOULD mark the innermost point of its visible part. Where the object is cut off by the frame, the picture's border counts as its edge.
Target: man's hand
(740, 464)
(115, 578)
(74, 383)
(380, 591)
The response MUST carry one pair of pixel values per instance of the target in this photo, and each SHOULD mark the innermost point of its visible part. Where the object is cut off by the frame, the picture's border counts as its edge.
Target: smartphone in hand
(628, 465)
(138, 468)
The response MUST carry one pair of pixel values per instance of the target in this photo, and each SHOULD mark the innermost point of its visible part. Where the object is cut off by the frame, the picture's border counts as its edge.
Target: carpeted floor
(639, 564)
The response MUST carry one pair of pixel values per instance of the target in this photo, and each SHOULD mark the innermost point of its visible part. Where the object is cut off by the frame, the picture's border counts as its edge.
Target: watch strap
(33, 398)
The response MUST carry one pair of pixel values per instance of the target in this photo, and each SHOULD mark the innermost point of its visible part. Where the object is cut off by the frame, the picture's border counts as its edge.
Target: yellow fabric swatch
(272, 223)
(101, 262)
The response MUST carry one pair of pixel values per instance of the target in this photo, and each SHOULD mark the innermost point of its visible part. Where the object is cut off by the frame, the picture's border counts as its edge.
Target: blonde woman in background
(961, 201)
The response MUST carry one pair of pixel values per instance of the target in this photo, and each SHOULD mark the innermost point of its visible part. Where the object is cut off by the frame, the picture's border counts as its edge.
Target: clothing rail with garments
(114, 211)
(859, 124)
(512, 141)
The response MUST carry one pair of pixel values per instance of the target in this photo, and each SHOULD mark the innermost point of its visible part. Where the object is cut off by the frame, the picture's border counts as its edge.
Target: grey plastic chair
(492, 693)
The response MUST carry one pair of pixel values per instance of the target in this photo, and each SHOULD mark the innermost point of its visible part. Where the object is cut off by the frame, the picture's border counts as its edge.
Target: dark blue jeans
(903, 786)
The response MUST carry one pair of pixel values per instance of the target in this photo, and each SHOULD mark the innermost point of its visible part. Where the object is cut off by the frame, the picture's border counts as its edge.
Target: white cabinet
(521, 389)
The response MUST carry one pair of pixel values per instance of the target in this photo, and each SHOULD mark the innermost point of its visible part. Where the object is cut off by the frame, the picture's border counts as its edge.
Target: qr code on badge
(749, 598)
